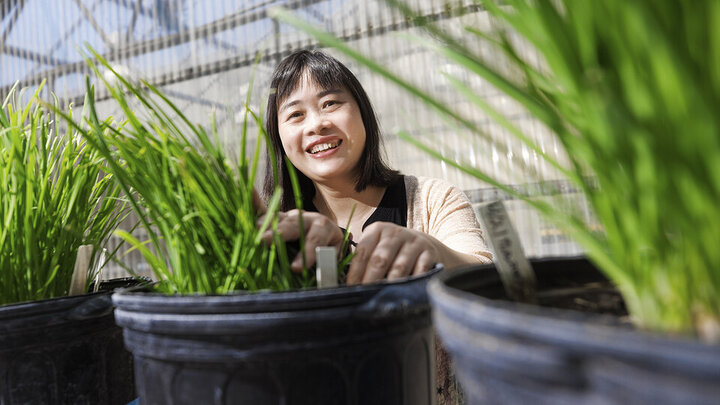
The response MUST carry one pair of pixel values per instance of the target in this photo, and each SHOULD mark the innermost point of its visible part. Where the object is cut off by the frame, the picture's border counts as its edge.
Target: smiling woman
(321, 119)
(322, 133)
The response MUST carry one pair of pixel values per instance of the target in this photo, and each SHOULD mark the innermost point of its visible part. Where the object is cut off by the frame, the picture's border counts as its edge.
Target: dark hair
(328, 73)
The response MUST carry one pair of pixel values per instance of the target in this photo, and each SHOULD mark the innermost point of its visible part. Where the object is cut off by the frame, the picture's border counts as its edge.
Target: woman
(319, 116)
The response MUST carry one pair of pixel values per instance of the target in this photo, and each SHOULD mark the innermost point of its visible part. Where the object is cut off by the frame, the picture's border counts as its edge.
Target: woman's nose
(317, 122)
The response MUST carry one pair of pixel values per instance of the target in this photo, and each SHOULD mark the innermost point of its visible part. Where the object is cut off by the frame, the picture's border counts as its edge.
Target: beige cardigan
(443, 211)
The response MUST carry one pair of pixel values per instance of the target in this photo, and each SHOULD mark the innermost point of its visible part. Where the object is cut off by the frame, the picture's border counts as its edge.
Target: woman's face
(322, 131)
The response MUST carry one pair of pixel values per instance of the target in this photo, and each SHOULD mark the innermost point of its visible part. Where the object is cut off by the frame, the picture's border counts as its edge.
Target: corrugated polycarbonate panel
(201, 53)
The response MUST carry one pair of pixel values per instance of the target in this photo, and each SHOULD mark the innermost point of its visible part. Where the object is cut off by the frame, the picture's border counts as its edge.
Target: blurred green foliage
(631, 91)
(54, 197)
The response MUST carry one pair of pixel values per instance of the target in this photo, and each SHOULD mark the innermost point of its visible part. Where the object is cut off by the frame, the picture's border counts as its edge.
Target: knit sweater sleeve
(443, 211)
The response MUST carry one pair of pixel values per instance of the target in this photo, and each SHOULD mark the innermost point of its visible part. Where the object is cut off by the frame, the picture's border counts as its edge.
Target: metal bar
(137, 7)
(148, 13)
(32, 55)
(68, 33)
(131, 27)
(276, 33)
(16, 13)
(543, 187)
(89, 17)
(190, 98)
(203, 31)
(138, 10)
(316, 14)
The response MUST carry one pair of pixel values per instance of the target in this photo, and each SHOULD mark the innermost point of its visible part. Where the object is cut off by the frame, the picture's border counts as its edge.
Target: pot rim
(55, 304)
(135, 299)
(575, 331)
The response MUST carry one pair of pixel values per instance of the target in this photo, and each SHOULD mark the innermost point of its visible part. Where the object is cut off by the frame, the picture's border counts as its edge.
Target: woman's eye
(329, 103)
(296, 114)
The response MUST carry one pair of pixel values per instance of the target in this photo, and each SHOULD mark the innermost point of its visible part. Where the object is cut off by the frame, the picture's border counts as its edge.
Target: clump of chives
(54, 197)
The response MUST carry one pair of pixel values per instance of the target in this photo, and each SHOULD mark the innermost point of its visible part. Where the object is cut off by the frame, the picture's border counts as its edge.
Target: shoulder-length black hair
(328, 73)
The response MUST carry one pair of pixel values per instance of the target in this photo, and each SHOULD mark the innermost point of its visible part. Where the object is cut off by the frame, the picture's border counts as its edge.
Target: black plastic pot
(510, 353)
(64, 351)
(369, 344)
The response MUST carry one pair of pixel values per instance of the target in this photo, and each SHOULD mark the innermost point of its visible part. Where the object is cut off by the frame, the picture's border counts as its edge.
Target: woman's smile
(323, 148)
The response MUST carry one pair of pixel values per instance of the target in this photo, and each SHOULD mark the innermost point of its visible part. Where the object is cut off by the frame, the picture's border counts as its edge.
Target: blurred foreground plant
(631, 91)
(54, 197)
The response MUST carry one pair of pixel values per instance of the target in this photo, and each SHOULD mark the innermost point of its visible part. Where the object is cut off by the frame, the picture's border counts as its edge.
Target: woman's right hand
(319, 231)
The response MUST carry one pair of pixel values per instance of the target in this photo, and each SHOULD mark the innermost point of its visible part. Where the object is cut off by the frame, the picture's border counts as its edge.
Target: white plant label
(80, 272)
(326, 266)
(515, 271)
(83, 268)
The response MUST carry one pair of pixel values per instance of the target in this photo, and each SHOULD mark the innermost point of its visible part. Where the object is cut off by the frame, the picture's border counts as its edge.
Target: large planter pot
(64, 351)
(369, 344)
(510, 353)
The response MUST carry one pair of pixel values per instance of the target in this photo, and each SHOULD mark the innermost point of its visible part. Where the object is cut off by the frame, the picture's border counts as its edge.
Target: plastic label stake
(326, 266)
(515, 270)
(80, 272)
(85, 267)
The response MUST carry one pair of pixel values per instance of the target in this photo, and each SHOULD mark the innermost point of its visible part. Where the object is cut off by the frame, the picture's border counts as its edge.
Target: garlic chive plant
(55, 196)
(194, 201)
(630, 90)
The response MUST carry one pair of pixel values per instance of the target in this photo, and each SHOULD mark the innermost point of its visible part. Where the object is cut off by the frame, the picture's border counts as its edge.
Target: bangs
(322, 70)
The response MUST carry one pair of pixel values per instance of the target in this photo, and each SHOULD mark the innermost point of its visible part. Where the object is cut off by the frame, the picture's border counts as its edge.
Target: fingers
(390, 251)
(319, 230)
(284, 227)
(408, 262)
(363, 252)
(424, 263)
(384, 256)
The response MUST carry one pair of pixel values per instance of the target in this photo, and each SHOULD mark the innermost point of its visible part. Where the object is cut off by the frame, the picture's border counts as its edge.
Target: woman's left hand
(390, 251)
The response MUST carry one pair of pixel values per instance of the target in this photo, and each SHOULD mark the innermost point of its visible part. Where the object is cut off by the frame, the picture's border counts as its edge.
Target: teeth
(321, 147)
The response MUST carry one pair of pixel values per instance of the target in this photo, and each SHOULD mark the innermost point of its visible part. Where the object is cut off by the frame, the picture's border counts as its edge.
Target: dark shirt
(392, 207)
